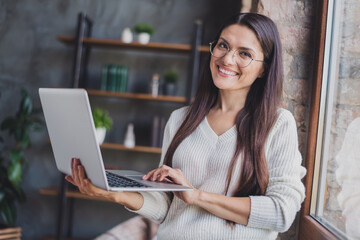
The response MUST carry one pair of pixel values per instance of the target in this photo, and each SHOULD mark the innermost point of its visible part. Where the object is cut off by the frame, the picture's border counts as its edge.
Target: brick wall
(295, 22)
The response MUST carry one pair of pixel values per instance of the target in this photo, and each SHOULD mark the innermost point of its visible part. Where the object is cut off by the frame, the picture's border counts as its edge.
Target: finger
(175, 176)
(70, 179)
(82, 175)
(161, 173)
(148, 175)
(75, 171)
(155, 174)
(166, 179)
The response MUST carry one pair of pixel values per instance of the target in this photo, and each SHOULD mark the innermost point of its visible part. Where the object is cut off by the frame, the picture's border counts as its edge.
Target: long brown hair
(255, 120)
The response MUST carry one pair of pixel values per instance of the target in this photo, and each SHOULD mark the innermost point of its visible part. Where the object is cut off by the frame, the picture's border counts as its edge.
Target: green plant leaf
(2, 195)
(16, 155)
(15, 174)
(11, 167)
(144, 28)
(101, 119)
(8, 212)
(19, 133)
(26, 105)
(25, 141)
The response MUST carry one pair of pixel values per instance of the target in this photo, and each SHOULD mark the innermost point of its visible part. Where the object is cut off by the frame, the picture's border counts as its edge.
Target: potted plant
(144, 32)
(102, 122)
(12, 162)
(170, 78)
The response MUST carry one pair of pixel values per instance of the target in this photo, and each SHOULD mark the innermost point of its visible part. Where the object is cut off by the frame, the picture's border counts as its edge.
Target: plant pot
(13, 233)
(100, 135)
(143, 38)
(170, 89)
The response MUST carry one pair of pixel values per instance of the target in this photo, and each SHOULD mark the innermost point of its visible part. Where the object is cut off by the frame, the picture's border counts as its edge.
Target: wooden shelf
(116, 146)
(152, 46)
(13, 233)
(141, 96)
(54, 191)
(63, 238)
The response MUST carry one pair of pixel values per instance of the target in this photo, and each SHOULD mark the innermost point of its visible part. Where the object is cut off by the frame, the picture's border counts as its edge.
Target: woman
(234, 146)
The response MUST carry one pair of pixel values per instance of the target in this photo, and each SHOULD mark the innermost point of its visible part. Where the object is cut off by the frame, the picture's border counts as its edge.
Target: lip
(230, 73)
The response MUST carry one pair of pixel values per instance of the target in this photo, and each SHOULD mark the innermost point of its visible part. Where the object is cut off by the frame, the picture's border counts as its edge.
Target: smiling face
(225, 71)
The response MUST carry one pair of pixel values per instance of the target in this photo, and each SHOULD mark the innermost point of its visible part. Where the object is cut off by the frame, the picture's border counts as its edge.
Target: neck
(231, 101)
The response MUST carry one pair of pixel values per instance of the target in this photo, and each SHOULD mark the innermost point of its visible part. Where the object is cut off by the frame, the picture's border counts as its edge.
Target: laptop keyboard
(119, 181)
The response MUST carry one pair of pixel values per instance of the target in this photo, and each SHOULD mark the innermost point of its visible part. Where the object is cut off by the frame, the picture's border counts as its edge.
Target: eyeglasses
(242, 57)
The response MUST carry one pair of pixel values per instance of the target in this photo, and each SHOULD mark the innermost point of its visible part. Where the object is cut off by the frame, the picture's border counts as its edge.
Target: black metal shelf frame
(79, 70)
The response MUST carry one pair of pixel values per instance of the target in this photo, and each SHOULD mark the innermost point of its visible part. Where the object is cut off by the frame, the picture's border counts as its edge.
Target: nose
(229, 57)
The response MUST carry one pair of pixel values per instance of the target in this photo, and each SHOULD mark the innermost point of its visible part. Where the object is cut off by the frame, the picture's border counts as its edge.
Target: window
(332, 207)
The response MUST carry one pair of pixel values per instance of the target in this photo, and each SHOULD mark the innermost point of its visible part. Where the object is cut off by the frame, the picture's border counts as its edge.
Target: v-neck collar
(212, 136)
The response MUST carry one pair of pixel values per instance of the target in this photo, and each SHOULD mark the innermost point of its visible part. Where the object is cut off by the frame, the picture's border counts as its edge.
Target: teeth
(227, 72)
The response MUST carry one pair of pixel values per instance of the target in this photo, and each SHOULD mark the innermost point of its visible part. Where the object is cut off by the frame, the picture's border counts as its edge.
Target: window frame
(309, 227)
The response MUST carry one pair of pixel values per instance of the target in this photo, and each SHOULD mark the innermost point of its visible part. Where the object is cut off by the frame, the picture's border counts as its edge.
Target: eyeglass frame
(234, 50)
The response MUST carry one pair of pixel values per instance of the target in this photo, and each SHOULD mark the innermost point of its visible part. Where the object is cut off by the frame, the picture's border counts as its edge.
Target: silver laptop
(72, 134)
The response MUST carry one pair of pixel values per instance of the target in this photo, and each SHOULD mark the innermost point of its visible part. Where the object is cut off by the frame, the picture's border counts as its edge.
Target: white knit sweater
(204, 158)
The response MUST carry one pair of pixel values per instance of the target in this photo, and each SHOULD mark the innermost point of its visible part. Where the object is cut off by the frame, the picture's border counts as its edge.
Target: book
(112, 78)
(119, 78)
(124, 80)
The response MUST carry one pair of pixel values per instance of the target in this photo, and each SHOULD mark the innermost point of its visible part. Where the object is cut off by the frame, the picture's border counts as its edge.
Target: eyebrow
(244, 48)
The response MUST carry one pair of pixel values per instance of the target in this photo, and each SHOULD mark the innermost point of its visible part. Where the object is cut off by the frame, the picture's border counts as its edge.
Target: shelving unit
(144, 149)
(55, 191)
(140, 96)
(114, 43)
(83, 43)
(53, 238)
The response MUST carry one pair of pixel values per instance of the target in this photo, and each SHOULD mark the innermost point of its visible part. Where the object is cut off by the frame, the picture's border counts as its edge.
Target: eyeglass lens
(220, 49)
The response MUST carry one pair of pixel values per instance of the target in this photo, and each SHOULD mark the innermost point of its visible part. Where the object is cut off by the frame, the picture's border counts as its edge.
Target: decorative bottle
(127, 35)
(130, 136)
(155, 85)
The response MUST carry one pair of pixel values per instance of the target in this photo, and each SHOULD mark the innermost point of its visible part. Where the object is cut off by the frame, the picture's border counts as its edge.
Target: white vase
(130, 136)
(127, 35)
(100, 135)
(143, 38)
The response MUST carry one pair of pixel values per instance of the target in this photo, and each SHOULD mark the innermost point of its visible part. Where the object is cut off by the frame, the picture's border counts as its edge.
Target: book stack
(114, 78)
(157, 131)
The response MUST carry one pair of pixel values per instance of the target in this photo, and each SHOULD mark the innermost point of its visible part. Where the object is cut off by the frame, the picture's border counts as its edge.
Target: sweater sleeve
(157, 204)
(285, 192)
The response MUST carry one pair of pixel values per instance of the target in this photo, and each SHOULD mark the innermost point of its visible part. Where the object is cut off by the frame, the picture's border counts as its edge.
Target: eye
(244, 54)
(222, 45)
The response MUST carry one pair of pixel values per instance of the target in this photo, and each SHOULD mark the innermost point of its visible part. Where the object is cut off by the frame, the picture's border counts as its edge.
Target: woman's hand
(132, 200)
(80, 180)
(172, 175)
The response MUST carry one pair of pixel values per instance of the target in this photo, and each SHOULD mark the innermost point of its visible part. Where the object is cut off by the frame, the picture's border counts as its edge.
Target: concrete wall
(31, 57)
